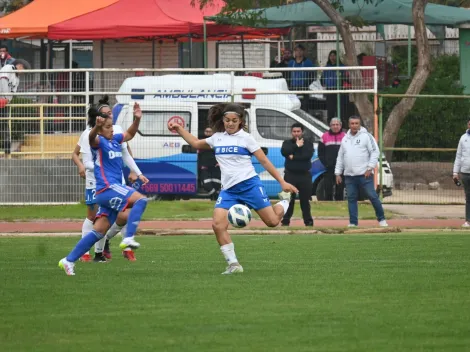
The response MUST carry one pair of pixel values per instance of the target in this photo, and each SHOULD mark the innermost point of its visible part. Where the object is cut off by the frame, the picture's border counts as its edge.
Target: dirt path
(75, 226)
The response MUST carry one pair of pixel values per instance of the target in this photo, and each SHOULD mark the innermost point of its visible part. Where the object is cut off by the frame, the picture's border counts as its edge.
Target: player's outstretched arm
(132, 130)
(264, 161)
(188, 137)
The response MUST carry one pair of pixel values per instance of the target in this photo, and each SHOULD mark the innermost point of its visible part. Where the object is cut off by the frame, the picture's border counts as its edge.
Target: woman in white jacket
(357, 158)
(462, 170)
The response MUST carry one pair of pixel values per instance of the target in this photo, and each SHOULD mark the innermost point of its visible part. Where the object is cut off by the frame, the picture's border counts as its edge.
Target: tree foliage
(431, 123)
(8, 6)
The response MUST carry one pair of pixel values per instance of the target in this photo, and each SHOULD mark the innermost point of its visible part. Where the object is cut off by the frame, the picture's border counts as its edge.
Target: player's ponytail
(93, 113)
(103, 102)
(216, 115)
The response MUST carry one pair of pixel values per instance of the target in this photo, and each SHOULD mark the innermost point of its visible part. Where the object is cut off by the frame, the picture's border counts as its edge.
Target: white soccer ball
(239, 215)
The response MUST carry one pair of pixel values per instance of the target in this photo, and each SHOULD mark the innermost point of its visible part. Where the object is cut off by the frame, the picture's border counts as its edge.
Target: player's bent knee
(272, 222)
(101, 225)
(219, 225)
(122, 217)
(135, 197)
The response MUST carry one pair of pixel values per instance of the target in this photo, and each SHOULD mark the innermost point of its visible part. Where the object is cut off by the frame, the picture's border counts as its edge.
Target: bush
(433, 122)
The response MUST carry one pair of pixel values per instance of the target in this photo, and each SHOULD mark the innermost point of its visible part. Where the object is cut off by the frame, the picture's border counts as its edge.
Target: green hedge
(432, 123)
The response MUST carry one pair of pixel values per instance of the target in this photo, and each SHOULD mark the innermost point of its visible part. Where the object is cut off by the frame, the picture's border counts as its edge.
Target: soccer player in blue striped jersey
(112, 197)
(240, 183)
(86, 170)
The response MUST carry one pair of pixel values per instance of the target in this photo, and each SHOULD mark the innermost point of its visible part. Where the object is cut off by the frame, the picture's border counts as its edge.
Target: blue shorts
(113, 200)
(90, 198)
(250, 192)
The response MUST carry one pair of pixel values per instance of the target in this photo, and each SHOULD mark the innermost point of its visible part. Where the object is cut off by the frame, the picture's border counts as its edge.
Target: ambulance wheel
(320, 191)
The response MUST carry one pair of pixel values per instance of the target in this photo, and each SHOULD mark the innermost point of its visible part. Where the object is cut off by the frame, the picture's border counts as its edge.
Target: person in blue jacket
(301, 80)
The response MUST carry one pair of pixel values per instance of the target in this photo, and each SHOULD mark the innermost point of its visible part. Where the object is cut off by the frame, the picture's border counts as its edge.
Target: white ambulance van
(171, 164)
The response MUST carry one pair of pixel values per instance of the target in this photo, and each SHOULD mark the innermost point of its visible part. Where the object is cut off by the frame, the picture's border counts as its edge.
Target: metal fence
(423, 155)
(46, 116)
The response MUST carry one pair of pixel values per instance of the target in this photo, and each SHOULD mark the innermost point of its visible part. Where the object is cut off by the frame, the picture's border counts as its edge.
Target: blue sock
(135, 215)
(84, 245)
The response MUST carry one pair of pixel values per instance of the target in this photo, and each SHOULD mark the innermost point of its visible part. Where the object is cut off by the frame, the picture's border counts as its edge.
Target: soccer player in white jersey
(240, 182)
(85, 170)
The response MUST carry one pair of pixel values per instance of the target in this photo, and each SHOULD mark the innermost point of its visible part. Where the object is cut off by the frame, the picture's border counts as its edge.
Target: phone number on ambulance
(169, 188)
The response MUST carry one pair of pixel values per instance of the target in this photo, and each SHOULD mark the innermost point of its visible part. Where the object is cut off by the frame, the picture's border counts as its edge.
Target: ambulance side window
(272, 124)
(154, 123)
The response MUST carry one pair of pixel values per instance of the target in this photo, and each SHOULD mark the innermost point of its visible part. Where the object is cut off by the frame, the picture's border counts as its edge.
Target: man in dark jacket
(328, 152)
(285, 59)
(301, 80)
(209, 170)
(298, 153)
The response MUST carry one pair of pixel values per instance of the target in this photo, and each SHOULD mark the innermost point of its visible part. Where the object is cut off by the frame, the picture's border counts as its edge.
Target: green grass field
(400, 292)
(178, 210)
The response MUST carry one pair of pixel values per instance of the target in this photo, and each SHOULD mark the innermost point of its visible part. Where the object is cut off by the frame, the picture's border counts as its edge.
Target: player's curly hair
(217, 112)
(95, 111)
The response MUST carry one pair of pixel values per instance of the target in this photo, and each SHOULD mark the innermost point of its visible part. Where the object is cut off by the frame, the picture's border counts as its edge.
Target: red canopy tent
(155, 19)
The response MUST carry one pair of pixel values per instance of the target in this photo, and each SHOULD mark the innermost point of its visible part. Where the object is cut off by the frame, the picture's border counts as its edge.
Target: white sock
(113, 231)
(99, 246)
(228, 250)
(284, 204)
(87, 227)
(124, 230)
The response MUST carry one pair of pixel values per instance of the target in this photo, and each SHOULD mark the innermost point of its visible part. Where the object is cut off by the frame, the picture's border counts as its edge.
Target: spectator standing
(328, 150)
(462, 170)
(357, 158)
(332, 80)
(301, 80)
(9, 82)
(284, 63)
(298, 153)
(209, 170)
(5, 57)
